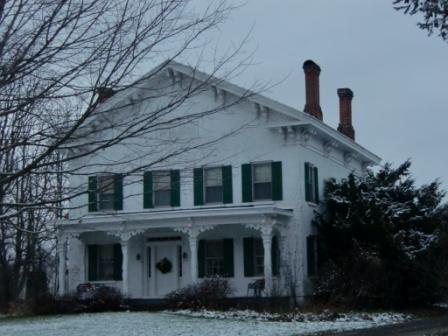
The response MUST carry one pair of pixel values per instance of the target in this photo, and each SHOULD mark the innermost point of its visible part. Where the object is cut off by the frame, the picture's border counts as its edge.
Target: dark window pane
(213, 194)
(262, 191)
(162, 198)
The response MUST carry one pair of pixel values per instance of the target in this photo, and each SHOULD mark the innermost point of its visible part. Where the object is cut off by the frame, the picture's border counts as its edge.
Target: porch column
(124, 267)
(281, 251)
(267, 245)
(62, 255)
(193, 241)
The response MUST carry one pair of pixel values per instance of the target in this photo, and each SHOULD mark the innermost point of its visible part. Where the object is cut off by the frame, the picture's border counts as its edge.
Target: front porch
(149, 254)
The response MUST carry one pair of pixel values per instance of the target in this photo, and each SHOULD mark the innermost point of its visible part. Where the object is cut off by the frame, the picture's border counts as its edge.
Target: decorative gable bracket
(304, 131)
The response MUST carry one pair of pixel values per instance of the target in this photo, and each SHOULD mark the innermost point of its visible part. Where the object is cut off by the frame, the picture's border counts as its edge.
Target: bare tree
(435, 14)
(59, 61)
(291, 274)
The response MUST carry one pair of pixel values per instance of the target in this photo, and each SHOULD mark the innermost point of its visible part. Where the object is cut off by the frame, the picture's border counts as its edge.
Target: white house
(240, 207)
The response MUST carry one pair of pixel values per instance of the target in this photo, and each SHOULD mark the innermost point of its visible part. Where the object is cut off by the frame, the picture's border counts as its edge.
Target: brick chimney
(345, 112)
(312, 103)
(104, 93)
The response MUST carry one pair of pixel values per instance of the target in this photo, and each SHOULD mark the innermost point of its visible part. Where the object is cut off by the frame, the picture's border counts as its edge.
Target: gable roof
(301, 120)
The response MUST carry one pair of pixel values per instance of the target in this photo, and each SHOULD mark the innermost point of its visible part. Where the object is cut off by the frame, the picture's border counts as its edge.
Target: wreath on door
(164, 266)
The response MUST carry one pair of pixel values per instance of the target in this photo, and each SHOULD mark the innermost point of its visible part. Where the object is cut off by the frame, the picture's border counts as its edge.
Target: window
(214, 257)
(311, 247)
(311, 183)
(105, 192)
(162, 188)
(149, 262)
(104, 262)
(262, 183)
(213, 185)
(254, 256)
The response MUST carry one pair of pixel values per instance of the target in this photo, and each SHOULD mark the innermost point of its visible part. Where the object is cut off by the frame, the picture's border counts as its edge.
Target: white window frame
(100, 191)
(100, 262)
(204, 183)
(155, 174)
(253, 165)
(312, 184)
(208, 259)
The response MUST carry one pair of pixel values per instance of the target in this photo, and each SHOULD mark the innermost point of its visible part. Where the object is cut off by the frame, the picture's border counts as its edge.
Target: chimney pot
(309, 64)
(312, 103)
(345, 112)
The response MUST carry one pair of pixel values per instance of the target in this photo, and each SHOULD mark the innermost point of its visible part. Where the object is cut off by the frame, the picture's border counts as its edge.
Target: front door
(163, 269)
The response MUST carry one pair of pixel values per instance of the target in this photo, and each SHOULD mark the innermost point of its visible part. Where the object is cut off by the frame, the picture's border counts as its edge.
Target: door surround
(157, 249)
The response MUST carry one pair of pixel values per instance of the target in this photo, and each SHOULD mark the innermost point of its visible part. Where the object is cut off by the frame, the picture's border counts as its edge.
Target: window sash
(213, 185)
(106, 190)
(214, 257)
(105, 262)
(214, 194)
(161, 182)
(262, 172)
(262, 191)
(312, 183)
(262, 181)
(213, 177)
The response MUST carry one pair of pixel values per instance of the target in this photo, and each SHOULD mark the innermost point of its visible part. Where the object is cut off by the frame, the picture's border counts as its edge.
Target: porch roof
(175, 218)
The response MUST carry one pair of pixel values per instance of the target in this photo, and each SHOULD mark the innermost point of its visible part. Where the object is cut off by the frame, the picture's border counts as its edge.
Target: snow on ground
(325, 316)
(184, 323)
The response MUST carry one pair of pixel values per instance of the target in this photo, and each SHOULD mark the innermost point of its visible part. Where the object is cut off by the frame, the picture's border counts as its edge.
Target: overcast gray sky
(398, 74)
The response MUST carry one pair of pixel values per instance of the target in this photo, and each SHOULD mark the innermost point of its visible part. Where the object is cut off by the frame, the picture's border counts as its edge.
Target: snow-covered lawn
(186, 323)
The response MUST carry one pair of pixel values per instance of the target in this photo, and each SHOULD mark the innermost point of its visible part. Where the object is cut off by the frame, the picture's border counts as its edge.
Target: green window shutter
(198, 181)
(248, 250)
(147, 190)
(316, 185)
(277, 183)
(227, 184)
(228, 258)
(307, 182)
(201, 258)
(246, 180)
(92, 197)
(118, 263)
(310, 255)
(92, 256)
(175, 188)
(118, 192)
(275, 256)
